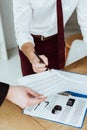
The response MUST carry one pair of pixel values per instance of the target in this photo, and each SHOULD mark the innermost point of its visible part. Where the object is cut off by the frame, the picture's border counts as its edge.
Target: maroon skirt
(49, 48)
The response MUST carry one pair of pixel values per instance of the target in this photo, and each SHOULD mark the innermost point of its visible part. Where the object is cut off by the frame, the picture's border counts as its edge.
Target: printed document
(68, 110)
(53, 83)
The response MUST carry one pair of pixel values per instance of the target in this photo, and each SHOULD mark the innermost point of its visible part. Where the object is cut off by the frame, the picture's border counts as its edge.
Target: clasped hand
(37, 65)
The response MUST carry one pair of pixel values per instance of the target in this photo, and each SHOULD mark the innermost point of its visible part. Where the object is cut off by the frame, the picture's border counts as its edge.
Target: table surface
(11, 117)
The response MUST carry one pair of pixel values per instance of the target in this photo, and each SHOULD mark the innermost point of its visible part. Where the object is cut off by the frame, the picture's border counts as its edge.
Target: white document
(54, 81)
(51, 83)
(70, 110)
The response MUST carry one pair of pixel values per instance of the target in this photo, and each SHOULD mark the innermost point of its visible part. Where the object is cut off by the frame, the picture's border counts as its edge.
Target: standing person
(37, 28)
(20, 95)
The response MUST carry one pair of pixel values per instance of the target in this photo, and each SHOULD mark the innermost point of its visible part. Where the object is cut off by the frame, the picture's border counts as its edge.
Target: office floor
(10, 69)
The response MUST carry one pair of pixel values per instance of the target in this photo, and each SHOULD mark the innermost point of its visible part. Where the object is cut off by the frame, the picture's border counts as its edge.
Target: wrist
(9, 92)
(31, 57)
(28, 50)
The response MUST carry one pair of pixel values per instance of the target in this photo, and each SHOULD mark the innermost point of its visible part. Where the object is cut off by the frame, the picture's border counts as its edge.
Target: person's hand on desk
(23, 96)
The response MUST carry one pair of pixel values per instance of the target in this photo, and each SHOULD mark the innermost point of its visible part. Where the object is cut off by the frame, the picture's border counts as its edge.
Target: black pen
(41, 61)
(36, 106)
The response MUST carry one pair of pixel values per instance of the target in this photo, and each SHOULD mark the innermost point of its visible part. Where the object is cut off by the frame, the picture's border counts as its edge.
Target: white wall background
(8, 27)
(72, 26)
(7, 21)
(3, 49)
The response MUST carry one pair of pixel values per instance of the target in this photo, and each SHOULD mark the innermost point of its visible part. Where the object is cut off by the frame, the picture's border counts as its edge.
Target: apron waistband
(42, 38)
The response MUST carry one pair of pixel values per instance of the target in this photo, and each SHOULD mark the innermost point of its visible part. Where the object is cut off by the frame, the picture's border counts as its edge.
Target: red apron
(53, 48)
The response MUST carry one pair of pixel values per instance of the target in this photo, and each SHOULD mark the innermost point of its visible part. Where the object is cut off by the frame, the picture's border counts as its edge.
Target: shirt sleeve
(3, 91)
(22, 13)
(82, 17)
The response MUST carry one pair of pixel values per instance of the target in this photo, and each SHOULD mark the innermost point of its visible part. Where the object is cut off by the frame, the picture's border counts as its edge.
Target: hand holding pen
(40, 63)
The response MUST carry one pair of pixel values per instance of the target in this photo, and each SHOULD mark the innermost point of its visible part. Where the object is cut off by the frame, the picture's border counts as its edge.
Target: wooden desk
(11, 117)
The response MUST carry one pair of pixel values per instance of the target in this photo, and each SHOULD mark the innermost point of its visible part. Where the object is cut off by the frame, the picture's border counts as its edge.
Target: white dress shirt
(39, 17)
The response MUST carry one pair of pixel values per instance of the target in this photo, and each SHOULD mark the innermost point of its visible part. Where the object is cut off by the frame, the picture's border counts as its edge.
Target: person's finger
(33, 93)
(36, 61)
(39, 100)
(39, 69)
(45, 59)
(34, 101)
(39, 65)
